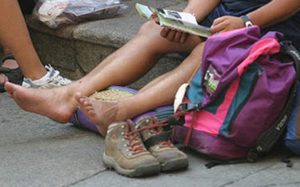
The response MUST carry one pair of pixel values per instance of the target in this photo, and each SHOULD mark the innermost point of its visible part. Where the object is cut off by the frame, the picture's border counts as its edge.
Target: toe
(78, 97)
(9, 87)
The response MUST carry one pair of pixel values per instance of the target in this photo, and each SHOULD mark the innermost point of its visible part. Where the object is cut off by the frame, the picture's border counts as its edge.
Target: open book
(182, 21)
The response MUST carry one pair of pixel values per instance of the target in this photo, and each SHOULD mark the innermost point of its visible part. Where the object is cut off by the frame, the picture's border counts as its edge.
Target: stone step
(77, 49)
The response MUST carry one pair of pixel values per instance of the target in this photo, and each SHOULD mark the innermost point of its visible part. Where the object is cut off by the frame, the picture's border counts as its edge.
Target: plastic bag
(56, 13)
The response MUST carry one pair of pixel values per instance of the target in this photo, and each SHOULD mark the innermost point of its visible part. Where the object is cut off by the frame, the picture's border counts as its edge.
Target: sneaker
(160, 146)
(125, 152)
(54, 79)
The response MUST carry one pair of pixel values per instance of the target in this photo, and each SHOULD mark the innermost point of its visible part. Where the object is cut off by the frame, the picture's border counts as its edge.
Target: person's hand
(174, 35)
(226, 23)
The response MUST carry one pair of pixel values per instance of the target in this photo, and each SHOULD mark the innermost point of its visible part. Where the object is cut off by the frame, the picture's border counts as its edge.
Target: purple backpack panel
(238, 93)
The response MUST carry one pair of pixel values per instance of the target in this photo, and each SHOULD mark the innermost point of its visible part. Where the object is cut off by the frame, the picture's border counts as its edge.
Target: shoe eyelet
(123, 126)
(125, 145)
(122, 133)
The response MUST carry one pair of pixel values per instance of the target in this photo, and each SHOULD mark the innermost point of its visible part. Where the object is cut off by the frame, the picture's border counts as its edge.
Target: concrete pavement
(35, 151)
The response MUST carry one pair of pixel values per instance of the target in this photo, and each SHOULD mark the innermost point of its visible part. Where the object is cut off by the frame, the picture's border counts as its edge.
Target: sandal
(13, 75)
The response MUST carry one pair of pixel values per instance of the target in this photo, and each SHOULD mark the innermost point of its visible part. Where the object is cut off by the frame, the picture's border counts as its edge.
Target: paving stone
(35, 151)
(51, 162)
(269, 172)
(18, 126)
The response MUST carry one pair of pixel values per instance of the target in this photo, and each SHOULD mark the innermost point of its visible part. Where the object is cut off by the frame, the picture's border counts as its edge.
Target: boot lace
(134, 142)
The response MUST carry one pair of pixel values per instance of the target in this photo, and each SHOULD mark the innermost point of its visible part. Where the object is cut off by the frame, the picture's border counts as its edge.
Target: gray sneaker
(54, 80)
(169, 156)
(125, 152)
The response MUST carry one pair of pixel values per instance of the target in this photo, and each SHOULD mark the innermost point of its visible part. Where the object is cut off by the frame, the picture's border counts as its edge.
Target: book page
(179, 16)
(181, 21)
(145, 11)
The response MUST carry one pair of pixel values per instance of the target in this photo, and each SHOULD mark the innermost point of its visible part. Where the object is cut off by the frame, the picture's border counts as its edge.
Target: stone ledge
(77, 49)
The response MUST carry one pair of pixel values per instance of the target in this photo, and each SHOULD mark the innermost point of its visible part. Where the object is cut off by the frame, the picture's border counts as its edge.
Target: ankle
(40, 78)
(123, 111)
(37, 76)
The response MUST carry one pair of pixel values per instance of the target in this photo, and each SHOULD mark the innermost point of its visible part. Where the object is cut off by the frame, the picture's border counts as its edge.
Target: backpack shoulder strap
(289, 49)
(271, 136)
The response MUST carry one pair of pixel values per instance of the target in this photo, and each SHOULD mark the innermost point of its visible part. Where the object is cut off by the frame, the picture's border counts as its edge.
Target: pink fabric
(265, 46)
(209, 122)
(226, 34)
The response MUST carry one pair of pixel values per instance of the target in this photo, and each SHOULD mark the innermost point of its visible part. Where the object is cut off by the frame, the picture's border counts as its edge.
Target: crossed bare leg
(59, 104)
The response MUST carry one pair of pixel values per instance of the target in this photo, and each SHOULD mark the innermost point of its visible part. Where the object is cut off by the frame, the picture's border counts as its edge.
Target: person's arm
(200, 9)
(274, 12)
(271, 13)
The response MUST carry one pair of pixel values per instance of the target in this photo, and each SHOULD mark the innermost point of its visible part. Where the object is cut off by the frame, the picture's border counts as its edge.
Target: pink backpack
(237, 104)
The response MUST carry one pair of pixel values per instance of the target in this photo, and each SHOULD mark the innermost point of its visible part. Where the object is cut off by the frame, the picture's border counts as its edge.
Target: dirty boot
(125, 152)
(159, 145)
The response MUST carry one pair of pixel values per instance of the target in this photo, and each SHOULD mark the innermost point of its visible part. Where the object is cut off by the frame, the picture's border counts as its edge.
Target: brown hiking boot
(159, 145)
(126, 153)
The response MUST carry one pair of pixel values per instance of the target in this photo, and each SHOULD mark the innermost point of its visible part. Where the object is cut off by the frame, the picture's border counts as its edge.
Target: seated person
(140, 54)
(17, 45)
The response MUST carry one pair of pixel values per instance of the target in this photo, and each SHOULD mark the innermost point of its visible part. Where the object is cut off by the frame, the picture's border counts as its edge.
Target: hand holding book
(181, 21)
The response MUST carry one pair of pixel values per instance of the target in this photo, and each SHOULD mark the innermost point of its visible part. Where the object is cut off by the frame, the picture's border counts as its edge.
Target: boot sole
(148, 170)
(174, 165)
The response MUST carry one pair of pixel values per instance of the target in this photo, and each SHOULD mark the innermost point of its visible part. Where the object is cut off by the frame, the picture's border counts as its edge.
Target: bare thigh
(150, 34)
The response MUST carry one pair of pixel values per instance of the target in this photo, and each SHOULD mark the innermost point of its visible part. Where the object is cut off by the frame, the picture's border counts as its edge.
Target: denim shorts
(26, 6)
(291, 139)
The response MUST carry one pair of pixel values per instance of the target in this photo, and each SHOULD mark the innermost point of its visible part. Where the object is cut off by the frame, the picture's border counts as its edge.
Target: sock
(42, 80)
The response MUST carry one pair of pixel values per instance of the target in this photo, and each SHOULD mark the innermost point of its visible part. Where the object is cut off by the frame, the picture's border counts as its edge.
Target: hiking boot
(53, 79)
(170, 157)
(126, 153)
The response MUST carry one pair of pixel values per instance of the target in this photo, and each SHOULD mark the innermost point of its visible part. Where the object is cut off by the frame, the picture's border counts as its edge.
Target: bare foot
(57, 104)
(99, 112)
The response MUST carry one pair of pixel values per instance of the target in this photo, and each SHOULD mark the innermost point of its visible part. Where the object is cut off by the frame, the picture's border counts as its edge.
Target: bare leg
(14, 36)
(160, 92)
(134, 59)
(122, 67)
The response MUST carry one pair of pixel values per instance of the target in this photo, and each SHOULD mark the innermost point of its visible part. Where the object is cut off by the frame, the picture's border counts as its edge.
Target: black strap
(268, 139)
(187, 107)
(214, 163)
(287, 160)
(174, 121)
(289, 49)
(6, 57)
(4, 70)
(164, 136)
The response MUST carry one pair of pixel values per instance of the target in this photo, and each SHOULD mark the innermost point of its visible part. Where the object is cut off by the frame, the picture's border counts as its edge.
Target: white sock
(42, 80)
